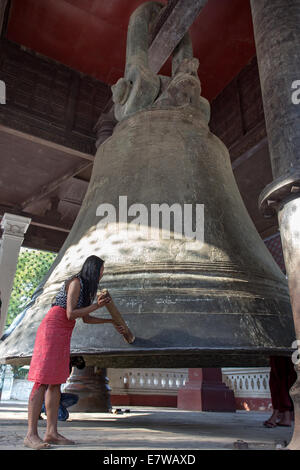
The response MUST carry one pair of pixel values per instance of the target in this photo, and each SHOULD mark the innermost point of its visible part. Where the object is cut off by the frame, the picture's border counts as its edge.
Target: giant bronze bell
(223, 302)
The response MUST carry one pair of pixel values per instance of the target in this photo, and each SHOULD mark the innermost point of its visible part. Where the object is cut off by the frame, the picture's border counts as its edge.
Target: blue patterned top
(61, 298)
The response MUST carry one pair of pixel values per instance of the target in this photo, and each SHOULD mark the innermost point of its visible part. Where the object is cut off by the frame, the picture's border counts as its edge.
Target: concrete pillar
(277, 37)
(7, 385)
(289, 222)
(205, 391)
(14, 227)
(2, 376)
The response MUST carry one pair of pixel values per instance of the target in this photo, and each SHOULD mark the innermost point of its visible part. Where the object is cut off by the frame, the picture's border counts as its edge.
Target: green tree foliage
(31, 269)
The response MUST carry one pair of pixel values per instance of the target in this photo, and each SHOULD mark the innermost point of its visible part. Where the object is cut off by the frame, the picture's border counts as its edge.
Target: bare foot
(35, 442)
(272, 421)
(58, 439)
(286, 419)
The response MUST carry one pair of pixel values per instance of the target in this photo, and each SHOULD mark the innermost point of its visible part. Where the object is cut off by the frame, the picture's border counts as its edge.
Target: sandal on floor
(269, 424)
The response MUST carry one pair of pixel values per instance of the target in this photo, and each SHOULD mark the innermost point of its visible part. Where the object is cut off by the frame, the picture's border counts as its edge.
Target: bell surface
(223, 302)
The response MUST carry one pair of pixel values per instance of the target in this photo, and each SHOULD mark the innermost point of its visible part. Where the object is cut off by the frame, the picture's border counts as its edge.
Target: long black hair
(89, 275)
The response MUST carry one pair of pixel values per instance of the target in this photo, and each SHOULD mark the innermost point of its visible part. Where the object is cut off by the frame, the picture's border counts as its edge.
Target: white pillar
(14, 227)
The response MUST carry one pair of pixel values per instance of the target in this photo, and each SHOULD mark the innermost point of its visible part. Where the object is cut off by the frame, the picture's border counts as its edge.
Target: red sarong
(51, 354)
(282, 377)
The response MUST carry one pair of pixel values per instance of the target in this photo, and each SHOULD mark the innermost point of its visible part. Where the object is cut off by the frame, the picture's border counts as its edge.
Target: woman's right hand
(103, 299)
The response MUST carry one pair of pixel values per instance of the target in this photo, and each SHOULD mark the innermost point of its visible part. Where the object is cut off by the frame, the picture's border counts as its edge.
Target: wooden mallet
(117, 318)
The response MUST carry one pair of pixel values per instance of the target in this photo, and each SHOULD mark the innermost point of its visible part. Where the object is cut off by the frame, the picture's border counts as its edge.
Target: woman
(49, 366)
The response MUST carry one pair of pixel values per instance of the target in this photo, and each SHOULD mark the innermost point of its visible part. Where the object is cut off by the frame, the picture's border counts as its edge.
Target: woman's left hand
(120, 329)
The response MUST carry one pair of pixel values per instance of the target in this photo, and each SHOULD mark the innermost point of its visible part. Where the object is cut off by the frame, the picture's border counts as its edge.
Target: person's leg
(52, 404)
(52, 399)
(68, 399)
(286, 404)
(292, 377)
(35, 402)
(63, 413)
(274, 384)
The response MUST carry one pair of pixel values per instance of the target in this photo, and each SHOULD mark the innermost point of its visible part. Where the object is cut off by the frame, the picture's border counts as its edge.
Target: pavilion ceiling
(90, 36)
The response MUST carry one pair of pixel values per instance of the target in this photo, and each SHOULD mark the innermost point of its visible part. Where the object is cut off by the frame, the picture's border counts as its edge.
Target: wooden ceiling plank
(69, 152)
(37, 220)
(48, 188)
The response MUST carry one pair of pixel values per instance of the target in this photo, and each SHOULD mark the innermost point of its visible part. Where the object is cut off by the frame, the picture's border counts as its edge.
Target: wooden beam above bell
(182, 14)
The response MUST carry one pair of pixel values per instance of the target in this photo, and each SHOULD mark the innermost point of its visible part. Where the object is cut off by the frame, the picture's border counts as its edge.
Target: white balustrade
(250, 382)
(146, 381)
